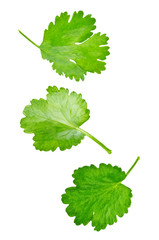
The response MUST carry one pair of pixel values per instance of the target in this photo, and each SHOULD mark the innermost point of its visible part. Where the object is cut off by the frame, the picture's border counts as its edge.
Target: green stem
(138, 158)
(95, 140)
(28, 39)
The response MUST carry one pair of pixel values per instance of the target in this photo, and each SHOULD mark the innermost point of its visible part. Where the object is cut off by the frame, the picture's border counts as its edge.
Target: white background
(124, 105)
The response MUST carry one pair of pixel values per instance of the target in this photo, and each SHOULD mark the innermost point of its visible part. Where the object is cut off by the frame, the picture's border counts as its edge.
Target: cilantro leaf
(70, 46)
(99, 196)
(56, 121)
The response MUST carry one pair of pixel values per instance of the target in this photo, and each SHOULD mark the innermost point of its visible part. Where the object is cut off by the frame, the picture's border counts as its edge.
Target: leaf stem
(138, 158)
(95, 140)
(28, 39)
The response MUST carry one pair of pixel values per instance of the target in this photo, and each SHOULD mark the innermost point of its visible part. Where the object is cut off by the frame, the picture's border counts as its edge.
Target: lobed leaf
(99, 196)
(55, 121)
(71, 46)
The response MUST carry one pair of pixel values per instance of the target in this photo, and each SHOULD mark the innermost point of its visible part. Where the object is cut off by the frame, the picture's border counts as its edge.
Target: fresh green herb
(99, 195)
(72, 47)
(56, 121)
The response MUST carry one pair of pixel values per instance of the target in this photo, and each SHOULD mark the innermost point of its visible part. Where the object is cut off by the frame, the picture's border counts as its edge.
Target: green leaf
(99, 196)
(70, 46)
(56, 121)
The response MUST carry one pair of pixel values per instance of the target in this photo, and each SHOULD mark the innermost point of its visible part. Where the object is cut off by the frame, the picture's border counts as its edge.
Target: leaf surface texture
(71, 46)
(55, 121)
(99, 196)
